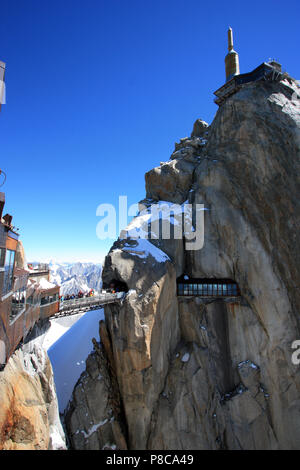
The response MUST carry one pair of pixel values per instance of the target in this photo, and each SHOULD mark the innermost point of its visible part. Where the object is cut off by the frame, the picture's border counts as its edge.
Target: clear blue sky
(98, 92)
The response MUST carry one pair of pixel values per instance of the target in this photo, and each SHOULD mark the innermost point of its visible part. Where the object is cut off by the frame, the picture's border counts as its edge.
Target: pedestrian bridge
(73, 306)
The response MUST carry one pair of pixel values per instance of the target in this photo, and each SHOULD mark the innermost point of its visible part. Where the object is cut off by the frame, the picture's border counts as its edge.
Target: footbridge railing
(70, 307)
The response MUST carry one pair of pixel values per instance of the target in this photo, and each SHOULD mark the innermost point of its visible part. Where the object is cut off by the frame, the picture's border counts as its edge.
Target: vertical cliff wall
(195, 374)
(29, 417)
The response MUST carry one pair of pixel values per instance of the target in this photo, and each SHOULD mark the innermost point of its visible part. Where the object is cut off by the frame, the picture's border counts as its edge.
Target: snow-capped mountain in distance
(75, 277)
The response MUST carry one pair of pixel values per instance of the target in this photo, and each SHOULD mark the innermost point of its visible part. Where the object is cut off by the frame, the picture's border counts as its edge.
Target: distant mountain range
(75, 277)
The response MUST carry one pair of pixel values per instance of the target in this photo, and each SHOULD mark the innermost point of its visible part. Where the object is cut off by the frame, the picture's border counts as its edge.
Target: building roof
(262, 71)
(46, 287)
(21, 272)
(204, 280)
(44, 284)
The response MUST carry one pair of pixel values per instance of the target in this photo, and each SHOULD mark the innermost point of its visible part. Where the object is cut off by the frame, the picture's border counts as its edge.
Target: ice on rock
(185, 357)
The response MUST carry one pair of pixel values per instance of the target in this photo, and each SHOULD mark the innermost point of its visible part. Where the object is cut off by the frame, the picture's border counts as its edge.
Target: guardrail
(85, 302)
(39, 267)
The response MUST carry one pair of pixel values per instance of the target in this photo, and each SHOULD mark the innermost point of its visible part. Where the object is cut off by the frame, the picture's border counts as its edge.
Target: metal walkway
(71, 307)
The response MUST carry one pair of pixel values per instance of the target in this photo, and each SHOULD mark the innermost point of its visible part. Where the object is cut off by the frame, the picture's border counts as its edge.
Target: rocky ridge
(190, 373)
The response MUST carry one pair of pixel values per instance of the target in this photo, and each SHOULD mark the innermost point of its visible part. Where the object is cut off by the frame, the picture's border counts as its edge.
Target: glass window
(8, 271)
(180, 289)
(34, 299)
(2, 257)
(18, 302)
(52, 298)
(208, 289)
(44, 300)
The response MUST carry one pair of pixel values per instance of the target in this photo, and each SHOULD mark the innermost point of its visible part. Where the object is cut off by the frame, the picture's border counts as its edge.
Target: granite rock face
(172, 180)
(214, 374)
(93, 423)
(20, 256)
(29, 417)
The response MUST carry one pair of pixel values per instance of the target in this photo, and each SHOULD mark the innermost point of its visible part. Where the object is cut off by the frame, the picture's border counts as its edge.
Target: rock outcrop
(29, 417)
(20, 256)
(192, 373)
(93, 423)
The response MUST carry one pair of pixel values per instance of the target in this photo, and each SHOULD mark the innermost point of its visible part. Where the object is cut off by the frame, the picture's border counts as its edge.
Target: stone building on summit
(235, 80)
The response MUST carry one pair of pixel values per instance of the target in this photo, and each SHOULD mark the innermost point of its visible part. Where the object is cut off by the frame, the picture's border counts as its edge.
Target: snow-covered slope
(76, 276)
(69, 352)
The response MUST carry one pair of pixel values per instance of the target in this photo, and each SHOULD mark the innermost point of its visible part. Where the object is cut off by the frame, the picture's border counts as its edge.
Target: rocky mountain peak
(204, 373)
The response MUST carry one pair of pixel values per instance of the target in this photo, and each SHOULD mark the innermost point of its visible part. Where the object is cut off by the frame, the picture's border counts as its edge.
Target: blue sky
(99, 91)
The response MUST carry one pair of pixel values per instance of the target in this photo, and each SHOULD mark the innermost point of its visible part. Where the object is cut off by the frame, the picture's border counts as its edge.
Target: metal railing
(41, 267)
(87, 302)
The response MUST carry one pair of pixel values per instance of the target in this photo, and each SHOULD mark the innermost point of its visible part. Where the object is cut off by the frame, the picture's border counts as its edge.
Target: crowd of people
(114, 288)
(79, 295)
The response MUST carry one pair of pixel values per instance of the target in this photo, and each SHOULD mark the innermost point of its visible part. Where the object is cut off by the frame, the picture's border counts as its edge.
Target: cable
(4, 176)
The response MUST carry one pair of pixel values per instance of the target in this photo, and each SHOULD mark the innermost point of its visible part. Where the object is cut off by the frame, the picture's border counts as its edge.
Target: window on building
(18, 302)
(33, 300)
(45, 300)
(8, 272)
(49, 299)
(207, 287)
(2, 257)
(30, 300)
(52, 298)
(180, 289)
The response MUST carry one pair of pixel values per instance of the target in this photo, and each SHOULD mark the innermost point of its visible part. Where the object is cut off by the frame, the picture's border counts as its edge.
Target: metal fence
(41, 267)
(90, 302)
